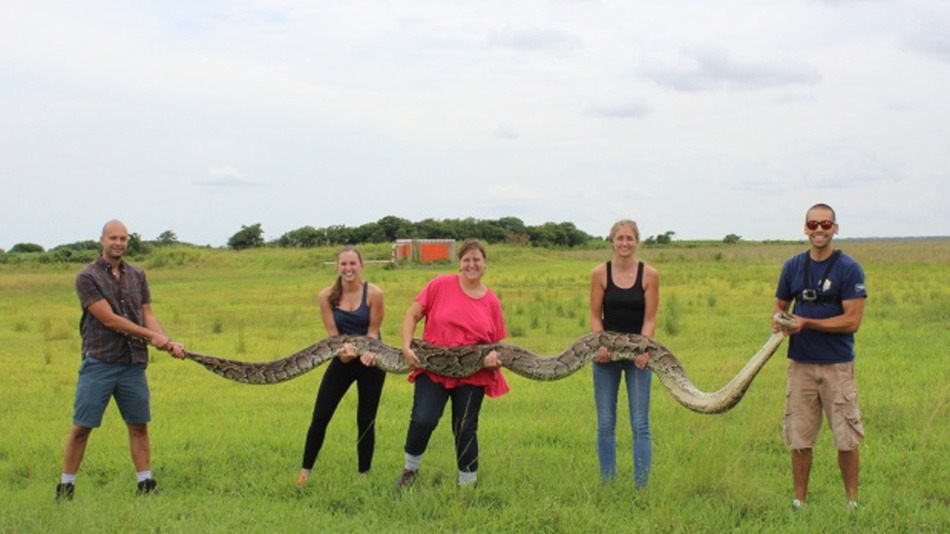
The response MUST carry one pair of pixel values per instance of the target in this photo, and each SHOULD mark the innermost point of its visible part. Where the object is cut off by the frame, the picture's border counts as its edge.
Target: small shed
(424, 250)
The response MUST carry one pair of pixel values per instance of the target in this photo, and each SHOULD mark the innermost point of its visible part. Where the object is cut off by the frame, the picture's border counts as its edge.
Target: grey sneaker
(65, 492)
(406, 479)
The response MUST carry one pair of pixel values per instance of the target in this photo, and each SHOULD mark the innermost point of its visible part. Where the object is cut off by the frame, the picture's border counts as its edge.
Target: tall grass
(226, 455)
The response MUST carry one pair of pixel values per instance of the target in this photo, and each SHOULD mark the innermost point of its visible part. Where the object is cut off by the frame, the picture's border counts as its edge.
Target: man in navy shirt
(828, 289)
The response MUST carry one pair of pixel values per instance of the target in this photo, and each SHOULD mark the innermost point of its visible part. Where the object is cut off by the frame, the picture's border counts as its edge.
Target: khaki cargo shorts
(816, 388)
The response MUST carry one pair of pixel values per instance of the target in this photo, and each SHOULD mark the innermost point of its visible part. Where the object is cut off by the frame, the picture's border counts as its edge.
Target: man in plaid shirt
(117, 326)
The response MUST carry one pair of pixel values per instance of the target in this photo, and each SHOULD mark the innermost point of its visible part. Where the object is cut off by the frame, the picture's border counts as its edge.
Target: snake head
(784, 318)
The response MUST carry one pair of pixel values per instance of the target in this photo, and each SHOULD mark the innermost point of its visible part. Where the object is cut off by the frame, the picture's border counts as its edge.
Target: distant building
(424, 250)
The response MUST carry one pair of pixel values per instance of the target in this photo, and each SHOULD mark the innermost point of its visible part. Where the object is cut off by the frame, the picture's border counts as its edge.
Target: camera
(809, 295)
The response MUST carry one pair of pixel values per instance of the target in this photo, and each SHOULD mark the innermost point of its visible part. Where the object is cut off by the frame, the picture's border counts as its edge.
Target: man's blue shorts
(98, 382)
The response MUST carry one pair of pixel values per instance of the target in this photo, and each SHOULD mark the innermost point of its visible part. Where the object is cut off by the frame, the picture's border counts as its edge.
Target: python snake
(466, 360)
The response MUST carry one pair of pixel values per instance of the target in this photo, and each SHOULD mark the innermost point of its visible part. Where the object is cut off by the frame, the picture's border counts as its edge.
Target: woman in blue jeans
(624, 296)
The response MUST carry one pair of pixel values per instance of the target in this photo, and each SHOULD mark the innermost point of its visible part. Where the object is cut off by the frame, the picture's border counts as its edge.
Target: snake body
(466, 360)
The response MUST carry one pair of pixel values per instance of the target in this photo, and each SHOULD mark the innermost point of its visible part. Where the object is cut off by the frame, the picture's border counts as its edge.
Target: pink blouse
(454, 319)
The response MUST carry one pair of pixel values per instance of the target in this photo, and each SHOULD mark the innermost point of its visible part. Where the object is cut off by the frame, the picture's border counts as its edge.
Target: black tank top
(624, 308)
(354, 322)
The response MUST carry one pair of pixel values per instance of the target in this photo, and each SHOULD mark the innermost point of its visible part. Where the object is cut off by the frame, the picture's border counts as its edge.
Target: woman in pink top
(459, 310)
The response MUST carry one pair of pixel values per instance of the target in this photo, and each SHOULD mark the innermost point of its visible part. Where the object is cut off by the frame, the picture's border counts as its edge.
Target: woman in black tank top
(624, 297)
(350, 306)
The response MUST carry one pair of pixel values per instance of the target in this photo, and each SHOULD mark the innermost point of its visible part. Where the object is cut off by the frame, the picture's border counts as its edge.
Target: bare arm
(781, 306)
(651, 288)
(374, 300)
(151, 322)
(152, 331)
(326, 312)
(409, 322)
(651, 294)
(598, 285)
(376, 310)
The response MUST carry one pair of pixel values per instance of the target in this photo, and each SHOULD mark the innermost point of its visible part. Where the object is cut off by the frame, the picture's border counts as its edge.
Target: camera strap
(824, 277)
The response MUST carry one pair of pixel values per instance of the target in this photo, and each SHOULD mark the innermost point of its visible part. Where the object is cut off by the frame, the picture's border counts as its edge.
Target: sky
(704, 118)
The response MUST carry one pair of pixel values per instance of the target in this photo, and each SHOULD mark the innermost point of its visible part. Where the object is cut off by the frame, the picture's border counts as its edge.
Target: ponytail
(336, 293)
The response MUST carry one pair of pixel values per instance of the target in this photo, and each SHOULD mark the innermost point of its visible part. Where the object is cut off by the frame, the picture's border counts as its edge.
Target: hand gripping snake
(466, 360)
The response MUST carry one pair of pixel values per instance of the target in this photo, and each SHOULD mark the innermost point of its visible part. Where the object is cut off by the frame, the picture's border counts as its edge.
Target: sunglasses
(825, 224)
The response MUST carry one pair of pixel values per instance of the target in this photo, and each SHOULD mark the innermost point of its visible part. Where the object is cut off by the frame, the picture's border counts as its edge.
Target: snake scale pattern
(464, 361)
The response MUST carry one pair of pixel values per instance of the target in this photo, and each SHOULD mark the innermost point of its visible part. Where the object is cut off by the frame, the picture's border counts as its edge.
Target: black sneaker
(148, 487)
(406, 479)
(65, 492)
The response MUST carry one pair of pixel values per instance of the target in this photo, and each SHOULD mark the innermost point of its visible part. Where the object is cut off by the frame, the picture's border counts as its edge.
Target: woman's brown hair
(336, 294)
(469, 244)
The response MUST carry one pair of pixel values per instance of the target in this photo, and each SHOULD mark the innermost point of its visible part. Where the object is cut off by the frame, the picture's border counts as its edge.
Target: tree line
(386, 230)
(390, 228)
(511, 230)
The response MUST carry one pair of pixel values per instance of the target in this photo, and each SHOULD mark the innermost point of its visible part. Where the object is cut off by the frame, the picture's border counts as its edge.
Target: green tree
(20, 248)
(551, 234)
(249, 237)
(433, 229)
(513, 225)
(731, 239)
(167, 237)
(394, 228)
(369, 233)
(543, 235)
(573, 236)
(135, 245)
(304, 237)
(490, 231)
(89, 244)
(516, 232)
(339, 234)
(666, 237)
(465, 228)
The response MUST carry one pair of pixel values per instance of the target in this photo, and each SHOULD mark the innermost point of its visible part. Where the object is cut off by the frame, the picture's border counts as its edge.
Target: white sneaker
(796, 505)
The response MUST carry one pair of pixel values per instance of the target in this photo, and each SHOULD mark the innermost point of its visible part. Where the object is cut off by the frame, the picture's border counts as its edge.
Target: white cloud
(515, 192)
(224, 177)
(546, 40)
(506, 131)
(711, 70)
(628, 110)
(928, 32)
(850, 168)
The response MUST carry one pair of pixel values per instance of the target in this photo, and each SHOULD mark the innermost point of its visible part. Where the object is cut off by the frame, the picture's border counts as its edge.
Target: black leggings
(336, 381)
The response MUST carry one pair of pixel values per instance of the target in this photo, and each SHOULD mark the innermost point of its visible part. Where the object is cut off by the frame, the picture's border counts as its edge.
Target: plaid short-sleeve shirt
(125, 296)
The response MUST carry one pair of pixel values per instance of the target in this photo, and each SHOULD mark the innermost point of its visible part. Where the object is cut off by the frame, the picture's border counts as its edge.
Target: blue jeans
(606, 387)
(428, 403)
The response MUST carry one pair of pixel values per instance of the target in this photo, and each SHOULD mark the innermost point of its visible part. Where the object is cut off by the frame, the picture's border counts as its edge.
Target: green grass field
(227, 455)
